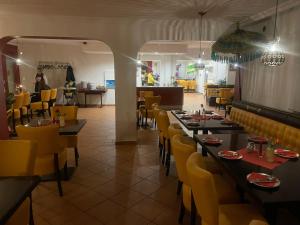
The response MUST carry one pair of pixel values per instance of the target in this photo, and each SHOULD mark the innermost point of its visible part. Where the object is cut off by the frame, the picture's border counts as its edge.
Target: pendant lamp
(273, 56)
(200, 64)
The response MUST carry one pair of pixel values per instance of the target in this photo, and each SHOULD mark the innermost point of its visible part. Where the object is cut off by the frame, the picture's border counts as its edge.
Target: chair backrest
(258, 222)
(203, 189)
(17, 157)
(53, 94)
(182, 147)
(18, 101)
(226, 93)
(163, 122)
(150, 100)
(45, 95)
(70, 112)
(26, 100)
(146, 93)
(47, 138)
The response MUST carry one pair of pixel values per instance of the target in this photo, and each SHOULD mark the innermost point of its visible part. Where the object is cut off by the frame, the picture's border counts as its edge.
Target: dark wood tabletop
(206, 125)
(13, 191)
(287, 194)
(72, 127)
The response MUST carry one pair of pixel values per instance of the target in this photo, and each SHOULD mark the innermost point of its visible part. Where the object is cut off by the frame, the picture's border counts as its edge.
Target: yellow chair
(51, 154)
(26, 105)
(164, 124)
(18, 159)
(144, 94)
(53, 95)
(43, 104)
(183, 147)
(70, 113)
(206, 199)
(258, 222)
(146, 110)
(225, 97)
(17, 110)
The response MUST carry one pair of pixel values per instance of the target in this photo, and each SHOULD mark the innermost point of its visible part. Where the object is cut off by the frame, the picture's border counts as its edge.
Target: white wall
(276, 87)
(87, 67)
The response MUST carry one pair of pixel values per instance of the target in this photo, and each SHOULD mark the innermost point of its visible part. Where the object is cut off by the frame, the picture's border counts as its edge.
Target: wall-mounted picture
(110, 84)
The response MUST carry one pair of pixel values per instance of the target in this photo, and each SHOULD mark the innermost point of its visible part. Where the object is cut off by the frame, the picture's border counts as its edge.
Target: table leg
(205, 131)
(271, 214)
(85, 100)
(101, 100)
(195, 132)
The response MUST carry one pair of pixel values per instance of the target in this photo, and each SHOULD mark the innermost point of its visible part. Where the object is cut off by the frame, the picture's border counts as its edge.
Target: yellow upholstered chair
(26, 105)
(144, 94)
(18, 159)
(206, 199)
(17, 115)
(183, 147)
(147, 110)
(225, 97)
(42, 105)
(70, 113)
(164, 125)
(192, 85)
(51, 153)
(53, 95)
(258, 222)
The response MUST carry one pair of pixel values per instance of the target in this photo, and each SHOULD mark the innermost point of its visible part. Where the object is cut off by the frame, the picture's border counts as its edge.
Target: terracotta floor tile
(146, 187)
(128, 198)
(149, 209)
(129, 218)
(87, 200)
(106, 211)
(110, 188)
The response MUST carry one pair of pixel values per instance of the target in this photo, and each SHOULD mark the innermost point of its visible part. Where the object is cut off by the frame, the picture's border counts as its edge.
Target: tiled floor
(113, 185)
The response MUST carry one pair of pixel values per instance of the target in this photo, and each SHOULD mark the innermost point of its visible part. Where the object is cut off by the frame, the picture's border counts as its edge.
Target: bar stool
(53, 95)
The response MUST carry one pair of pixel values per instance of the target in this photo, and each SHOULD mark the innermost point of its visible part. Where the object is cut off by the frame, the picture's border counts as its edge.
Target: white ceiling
(229, 10)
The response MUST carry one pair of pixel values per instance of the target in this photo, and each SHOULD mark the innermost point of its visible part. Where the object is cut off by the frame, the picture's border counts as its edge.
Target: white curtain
(276, 87)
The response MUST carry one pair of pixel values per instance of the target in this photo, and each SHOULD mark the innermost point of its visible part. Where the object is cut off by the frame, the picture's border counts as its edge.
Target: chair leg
(58, 178)
(168, 158)
(31, 220)
(181, 213)
(193, 210)
(21, 116)
(76, 156)
(179, 187)
(160, 146)
(14, 122)
(163, 151)
(66, 175)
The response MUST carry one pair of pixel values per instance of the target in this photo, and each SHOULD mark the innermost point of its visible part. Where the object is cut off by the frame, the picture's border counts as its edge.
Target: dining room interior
(149, 112)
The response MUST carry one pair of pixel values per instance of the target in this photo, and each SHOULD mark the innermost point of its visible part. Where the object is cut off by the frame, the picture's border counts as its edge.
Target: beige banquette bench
(260, 125)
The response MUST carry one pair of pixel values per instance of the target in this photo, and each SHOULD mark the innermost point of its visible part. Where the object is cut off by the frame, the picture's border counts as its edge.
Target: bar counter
(171, 97)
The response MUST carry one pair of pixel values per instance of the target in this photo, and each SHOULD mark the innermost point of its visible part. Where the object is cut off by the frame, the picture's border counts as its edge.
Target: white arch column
(125, 94)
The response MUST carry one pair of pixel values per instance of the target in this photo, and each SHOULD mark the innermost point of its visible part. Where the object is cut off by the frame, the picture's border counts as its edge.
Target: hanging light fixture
(18, 59)
(200, 63)
(273, 56)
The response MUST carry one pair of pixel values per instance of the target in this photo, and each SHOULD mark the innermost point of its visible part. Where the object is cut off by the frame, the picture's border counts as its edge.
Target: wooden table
(91, 92)
(207, 125)
(13, 191)
(287, 195)
(72, 127)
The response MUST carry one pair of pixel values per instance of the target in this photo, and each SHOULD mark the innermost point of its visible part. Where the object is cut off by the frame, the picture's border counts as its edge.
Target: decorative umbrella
(238, 47)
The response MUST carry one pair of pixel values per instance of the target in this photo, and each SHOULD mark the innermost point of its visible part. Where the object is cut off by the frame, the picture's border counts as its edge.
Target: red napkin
(258, 178)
